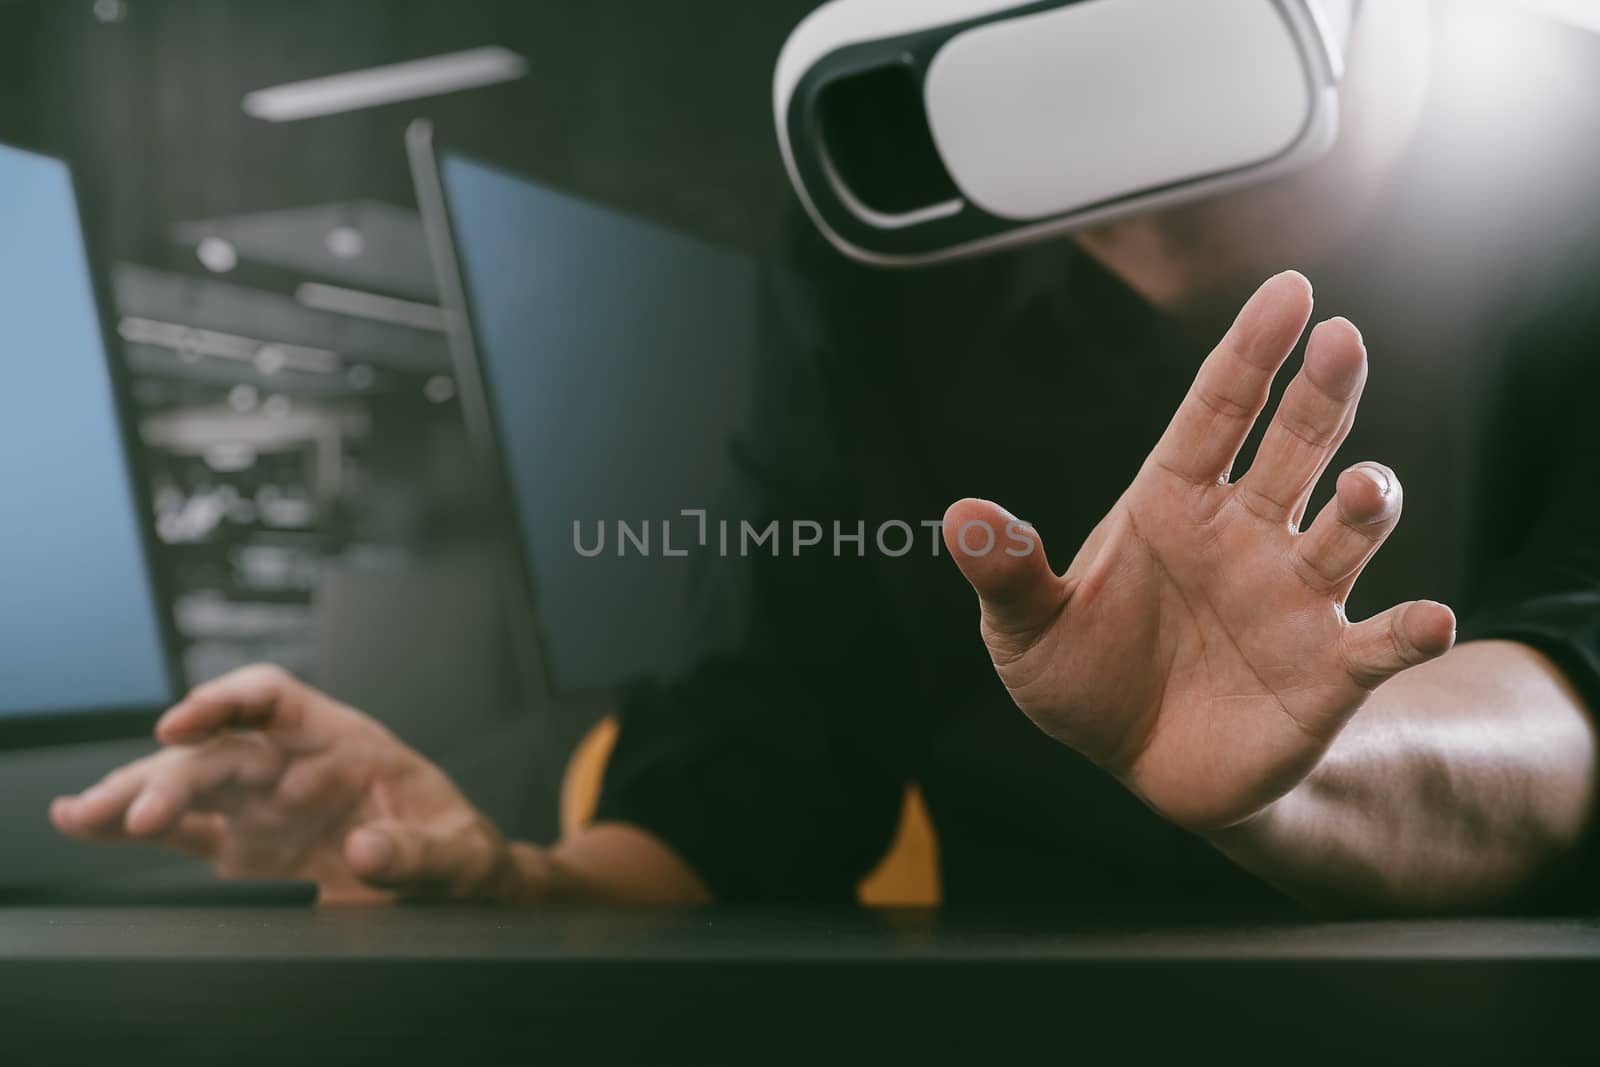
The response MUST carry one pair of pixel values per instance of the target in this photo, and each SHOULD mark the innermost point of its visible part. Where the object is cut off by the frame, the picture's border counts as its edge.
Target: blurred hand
(1197, 647)
(268, 778)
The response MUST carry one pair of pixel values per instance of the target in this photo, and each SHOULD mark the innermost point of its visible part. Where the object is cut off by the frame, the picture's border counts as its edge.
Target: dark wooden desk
(272, 985)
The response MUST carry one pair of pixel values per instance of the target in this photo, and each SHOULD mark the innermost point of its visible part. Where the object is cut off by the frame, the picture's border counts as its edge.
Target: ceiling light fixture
(109, 11)
(390, 84)
(217, 254)
(362, 305)
(230, 346)
(345, 242)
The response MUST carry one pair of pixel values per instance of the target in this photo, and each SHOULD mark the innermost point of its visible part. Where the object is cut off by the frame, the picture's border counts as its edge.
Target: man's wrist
(1286, 845)
(1266, 830)
(525, 876)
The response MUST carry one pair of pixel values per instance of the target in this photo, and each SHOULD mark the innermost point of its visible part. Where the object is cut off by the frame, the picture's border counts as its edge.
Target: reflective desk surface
(446, 986)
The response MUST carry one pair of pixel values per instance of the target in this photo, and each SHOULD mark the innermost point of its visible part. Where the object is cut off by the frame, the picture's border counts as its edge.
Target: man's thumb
(1004, 560)
(396, 855)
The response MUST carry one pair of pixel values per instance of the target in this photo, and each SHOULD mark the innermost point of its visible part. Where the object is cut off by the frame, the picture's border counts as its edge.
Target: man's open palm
(1197, 647)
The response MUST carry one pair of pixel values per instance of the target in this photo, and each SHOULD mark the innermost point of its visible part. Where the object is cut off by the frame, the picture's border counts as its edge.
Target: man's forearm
(1457, 785)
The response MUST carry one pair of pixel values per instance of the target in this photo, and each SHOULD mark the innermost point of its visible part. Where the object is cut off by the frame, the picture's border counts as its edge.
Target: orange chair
(907, 876)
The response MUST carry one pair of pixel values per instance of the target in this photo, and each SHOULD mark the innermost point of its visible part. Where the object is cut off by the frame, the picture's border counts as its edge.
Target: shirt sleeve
(1545, 589)
(769, 768)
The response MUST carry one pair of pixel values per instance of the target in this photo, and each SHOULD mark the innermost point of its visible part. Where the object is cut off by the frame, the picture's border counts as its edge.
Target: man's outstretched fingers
(1316, 413)
(1364, 510)
(1405, 636)
(65, 816)
(1004, 560)
(97, 813)
(250, 697)
(201, 779)
(1204, 437)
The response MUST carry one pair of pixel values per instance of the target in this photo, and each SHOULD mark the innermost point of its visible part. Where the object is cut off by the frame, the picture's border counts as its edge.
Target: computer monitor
(86, 649)
(604, 365)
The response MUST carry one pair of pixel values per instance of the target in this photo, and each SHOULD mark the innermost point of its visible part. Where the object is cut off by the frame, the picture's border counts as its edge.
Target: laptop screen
(79, 623)
(616, 359)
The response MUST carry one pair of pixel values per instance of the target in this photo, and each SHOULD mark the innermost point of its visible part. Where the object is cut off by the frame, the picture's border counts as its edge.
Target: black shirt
(1034, 378)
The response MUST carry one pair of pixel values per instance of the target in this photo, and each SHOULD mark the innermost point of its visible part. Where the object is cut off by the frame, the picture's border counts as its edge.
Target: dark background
(660, 107)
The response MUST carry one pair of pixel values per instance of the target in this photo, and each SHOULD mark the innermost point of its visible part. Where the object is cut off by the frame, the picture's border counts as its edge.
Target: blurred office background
(315, 494)
(273, 290)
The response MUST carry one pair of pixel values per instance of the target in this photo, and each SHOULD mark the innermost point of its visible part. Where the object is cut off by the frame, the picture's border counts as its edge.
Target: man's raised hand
(1197, 647)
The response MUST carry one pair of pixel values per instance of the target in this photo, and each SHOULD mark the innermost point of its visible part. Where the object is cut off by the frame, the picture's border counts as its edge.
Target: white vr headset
(921, 130)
